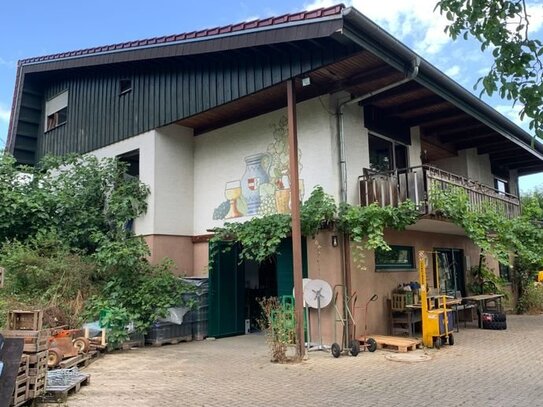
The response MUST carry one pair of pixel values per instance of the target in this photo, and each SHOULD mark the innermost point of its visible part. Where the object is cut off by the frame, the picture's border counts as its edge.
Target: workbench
(482, 302)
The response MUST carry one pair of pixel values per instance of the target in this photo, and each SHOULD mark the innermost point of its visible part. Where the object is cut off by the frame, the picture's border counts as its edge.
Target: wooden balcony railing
(416, 183)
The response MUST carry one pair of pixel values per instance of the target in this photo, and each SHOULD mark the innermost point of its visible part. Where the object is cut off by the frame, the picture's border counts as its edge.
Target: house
(201, 118)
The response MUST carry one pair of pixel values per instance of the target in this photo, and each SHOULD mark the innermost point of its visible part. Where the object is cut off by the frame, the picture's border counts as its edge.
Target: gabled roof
(266, 23)
(343, 50)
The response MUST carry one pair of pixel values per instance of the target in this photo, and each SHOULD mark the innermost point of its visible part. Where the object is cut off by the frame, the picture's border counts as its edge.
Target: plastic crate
(165, 331)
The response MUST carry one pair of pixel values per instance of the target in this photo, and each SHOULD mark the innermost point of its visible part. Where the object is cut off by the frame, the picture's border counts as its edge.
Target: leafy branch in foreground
(504, 27)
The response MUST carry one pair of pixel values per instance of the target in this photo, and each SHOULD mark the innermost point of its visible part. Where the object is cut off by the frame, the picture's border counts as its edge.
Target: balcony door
(386, 154)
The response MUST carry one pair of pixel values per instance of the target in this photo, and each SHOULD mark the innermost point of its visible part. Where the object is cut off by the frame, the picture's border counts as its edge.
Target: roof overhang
(450, 117)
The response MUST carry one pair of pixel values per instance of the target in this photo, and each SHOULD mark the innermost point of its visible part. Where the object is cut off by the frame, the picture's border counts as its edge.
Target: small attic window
(56, 111)
(125, 86)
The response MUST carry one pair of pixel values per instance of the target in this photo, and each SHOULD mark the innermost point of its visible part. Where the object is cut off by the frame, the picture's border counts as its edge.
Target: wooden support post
(295, 212)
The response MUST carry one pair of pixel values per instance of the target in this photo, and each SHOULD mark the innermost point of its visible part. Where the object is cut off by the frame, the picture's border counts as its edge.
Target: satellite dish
(304, 283)
(317, 294)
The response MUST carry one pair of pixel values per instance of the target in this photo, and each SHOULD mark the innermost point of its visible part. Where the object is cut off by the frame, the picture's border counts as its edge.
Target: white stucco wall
(173, 185)
(479, 167)
(145, 142)
(414, 149)
(219, 156)
(166, 166)
(513, 182)
(356, 149)
(468, 163)
(457, 165)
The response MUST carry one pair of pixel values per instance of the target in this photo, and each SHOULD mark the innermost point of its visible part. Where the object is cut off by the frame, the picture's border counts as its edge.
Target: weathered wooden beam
(295, 212)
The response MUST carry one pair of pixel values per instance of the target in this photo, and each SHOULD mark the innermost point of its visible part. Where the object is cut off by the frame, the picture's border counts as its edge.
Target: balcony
(415, 183)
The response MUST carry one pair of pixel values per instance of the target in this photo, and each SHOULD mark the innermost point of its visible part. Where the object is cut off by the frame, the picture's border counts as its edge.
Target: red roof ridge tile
(208, 32)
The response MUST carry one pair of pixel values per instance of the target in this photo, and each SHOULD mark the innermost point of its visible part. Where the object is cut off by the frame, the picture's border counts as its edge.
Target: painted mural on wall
(264, 187)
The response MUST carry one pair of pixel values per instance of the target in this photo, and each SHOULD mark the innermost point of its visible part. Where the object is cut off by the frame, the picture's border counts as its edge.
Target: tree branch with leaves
(502, 26)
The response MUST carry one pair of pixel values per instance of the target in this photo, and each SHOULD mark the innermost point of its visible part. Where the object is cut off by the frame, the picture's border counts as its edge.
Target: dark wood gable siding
(167, 91)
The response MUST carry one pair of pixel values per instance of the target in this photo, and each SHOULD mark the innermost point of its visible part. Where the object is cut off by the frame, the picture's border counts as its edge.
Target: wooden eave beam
(436, 118)
(496, 147)
(409, 87)
(459, 135)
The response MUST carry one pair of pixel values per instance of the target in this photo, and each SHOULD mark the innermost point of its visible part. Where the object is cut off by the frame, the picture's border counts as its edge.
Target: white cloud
(535, 13)
(512, 113)
(4, 114)
(453, 71)
(412, 21)
(7, 63)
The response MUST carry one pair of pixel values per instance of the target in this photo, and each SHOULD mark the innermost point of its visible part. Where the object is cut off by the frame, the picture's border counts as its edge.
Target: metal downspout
(346, 252)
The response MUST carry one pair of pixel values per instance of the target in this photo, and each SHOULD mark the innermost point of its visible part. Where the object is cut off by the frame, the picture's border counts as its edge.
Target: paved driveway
(483, 368)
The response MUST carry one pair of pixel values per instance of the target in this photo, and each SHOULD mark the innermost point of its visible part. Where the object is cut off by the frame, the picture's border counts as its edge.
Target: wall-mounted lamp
(306, 81)
(334, 241)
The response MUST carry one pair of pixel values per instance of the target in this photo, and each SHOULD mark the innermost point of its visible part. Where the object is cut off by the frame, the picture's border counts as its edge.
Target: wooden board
(394, 343)
(79, 361)
(34, 341)
(10, 355)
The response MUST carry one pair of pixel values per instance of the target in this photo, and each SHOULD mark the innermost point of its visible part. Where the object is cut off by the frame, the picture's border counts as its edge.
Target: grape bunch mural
(264, 188)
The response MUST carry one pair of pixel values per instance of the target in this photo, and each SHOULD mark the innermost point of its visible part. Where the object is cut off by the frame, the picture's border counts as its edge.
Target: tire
(495, 325)
(437, 343)
(372, 344)
(336, 350)
(450, 340)
(355, 347)
(499, 317)
(82, 344)
(494, 317)
(54, 357)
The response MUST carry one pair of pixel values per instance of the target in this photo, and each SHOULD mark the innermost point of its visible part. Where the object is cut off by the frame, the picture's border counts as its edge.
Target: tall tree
(503, 27)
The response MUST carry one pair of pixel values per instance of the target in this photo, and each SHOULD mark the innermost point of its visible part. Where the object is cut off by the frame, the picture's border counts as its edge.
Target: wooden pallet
(76, 361)
(34, 341)
(395, 344)
(61, 394)
(36, 385)
(20, 394)
(22, 373)
(25, 320)
(168, 341)
(37, 363)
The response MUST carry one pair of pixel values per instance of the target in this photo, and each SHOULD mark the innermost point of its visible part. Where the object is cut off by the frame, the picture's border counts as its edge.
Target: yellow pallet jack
(435, 322)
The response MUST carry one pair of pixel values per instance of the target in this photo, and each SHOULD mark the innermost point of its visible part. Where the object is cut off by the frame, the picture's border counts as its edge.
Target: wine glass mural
(264, 188)
(232, 192)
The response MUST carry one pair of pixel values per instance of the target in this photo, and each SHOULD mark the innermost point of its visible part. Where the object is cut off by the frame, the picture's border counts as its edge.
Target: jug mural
(264, 188)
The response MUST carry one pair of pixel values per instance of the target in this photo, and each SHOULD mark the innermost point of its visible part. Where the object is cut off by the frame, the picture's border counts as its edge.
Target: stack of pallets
(30, 383)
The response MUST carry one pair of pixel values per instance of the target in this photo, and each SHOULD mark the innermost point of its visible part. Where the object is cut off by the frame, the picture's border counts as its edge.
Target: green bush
(43, 273)
(531, 300)
(138, 297)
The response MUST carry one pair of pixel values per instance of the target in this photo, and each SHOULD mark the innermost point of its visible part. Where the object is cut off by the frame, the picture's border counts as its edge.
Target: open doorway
(450, 268)
(260, 281)
(235, 286)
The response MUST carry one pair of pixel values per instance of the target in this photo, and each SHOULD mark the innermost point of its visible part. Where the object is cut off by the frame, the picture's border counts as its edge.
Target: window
(56, 111)
(386, 155)
(125, 86)
(399, 258)
(501, 185)
(505, 272)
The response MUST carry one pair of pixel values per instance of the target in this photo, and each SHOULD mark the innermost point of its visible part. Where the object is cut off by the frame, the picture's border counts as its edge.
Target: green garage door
(226, 294)
(227, 287)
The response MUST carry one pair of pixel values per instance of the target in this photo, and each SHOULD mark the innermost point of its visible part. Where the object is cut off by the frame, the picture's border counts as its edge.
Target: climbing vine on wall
(489, 228)
(260, 237)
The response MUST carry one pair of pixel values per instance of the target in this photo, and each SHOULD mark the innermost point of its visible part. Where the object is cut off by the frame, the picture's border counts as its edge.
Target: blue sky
(35, 28)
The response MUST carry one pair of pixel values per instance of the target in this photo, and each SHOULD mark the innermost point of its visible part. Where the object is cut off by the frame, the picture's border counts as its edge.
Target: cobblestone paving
(483, 368)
